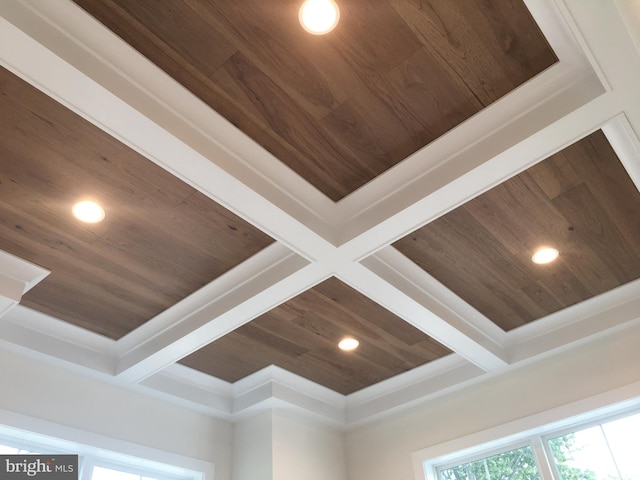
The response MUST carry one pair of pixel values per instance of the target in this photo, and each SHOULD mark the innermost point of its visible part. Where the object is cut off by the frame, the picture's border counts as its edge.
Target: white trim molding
(61, 50)
(566, 416)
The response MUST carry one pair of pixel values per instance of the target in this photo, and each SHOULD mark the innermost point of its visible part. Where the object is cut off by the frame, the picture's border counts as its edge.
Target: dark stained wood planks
(302, 336)
(580, 201)
(339, 109)
(161, 239)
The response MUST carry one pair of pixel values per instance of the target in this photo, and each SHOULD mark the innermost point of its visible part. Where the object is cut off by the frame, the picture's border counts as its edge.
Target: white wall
(382, 451)
(282, 445)
(35, 389)
(305, 449)
(253, 448)
(275, 445)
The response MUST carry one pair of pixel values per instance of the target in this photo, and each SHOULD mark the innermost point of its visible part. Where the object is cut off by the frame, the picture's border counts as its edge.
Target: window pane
(624, 440)
(583, 455)
(516, 464)
(4, 450)
(101, 473)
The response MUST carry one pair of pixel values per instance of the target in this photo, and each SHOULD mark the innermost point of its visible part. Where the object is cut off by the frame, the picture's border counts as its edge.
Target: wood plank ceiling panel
(160, 241)
(302, 336)
(580, 201)
(343, 108)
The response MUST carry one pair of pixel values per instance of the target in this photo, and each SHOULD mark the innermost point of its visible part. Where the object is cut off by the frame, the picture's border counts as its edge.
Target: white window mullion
(613, 457)
(86, 471)
(145, 462)
(544, 461)
(579, 451)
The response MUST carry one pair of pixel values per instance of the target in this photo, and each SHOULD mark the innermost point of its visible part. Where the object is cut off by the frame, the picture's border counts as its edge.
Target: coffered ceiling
(338, 110)
(269, 192)
(160, 241)
(580, 201)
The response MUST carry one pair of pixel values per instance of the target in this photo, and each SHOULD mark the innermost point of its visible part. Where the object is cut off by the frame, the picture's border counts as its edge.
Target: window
(102, 473)
(95, 464)
(7, 450)
(516, 464)
(605, 449)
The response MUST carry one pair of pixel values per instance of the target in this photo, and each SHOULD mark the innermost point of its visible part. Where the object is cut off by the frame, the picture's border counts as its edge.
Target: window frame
(481, 455)
(92, 462)
(35, 435)
(88, 461)
(537, 438)
(596, 422)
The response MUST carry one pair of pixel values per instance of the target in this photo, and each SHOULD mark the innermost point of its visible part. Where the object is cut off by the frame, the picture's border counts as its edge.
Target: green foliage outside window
(562, 449)
(519, 464)
(516, 464)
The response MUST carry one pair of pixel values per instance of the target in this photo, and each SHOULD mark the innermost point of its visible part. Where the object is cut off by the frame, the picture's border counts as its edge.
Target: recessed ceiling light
(348, 343)
(544, 255)
(319, 16)
(88, 212)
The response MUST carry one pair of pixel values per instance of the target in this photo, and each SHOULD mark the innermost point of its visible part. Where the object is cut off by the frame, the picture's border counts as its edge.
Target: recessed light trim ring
(545, 255)
(319, 17)
(348, 344)
(88, 211)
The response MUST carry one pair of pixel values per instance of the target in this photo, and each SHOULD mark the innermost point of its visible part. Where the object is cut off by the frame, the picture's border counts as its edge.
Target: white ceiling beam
(397, 290)
(78, 90)
(68, 344)
(216, 310)
(541, 101)
(626, 144)
(614, 47)
(603, 313)
(61, 50)
(462, 177)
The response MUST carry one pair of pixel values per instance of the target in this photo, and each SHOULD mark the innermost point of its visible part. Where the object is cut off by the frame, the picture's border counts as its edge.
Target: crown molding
(428, 305)
(626, 144)
(17, 277)
(64, 52)
(35, 334)
(58, 342)
(575, 324)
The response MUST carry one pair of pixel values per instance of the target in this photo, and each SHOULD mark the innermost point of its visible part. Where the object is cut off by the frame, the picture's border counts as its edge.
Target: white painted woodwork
(59, 49)
(17, 277)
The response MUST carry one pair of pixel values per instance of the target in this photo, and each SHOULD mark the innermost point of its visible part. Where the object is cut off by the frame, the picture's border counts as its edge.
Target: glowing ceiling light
(545, 255)
(88, 212)
(348, 343)
(319, 16)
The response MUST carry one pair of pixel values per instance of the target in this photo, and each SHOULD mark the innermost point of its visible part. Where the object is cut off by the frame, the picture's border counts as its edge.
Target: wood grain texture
(343, 108)
(580, 200)
(302, 336)
(161, 239)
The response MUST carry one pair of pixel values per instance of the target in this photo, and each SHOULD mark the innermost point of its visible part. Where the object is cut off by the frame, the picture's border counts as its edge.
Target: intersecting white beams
(62, 80)
(502, 133)
(91, 71)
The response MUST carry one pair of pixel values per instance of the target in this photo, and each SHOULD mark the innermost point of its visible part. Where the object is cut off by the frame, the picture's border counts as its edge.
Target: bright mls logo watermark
(38, 467)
